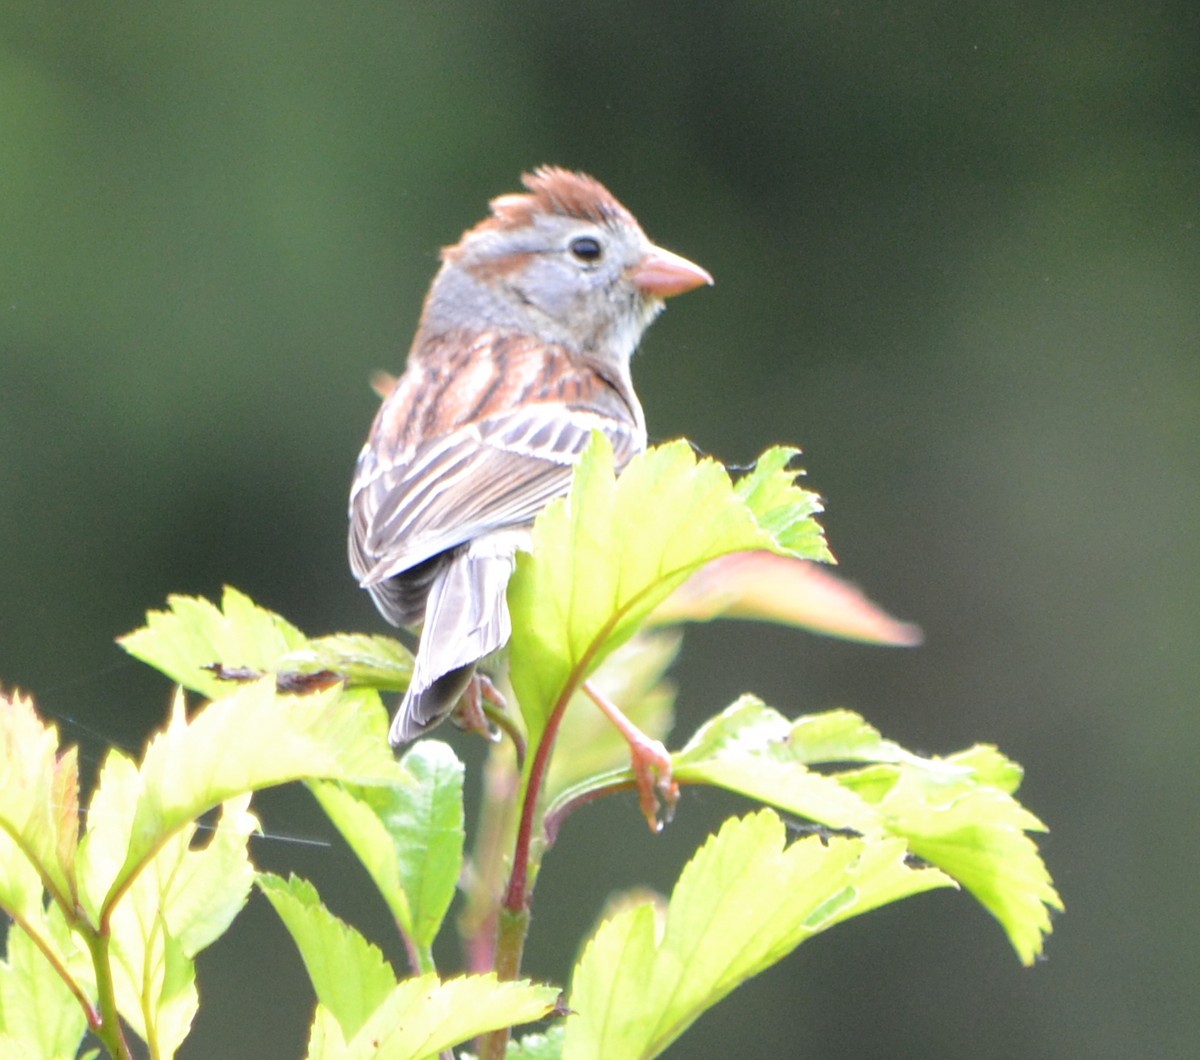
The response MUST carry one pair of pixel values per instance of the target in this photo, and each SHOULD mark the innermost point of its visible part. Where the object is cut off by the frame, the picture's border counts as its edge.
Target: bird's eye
(586, 248)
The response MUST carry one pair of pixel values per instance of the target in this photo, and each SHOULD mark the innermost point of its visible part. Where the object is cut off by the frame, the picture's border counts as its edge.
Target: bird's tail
(466, 619)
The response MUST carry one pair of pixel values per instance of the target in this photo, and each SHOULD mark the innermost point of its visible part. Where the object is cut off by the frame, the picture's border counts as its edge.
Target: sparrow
(522, 351)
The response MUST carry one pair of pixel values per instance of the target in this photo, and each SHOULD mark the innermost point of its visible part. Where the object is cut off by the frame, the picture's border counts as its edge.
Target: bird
(522, 351)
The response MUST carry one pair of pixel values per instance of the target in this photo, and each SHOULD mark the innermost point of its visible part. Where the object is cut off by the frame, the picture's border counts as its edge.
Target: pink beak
(663, 274)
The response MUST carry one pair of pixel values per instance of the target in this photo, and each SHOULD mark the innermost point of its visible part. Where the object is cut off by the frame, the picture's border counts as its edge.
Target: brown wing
(477, 439)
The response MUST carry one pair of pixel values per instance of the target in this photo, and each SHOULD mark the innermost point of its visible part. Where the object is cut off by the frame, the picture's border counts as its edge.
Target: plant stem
(64, 973)
(512, 929)
(562, 809)
(485, 875)
(107, 1025)
(513, 919)
(417, 961)
(520, 886)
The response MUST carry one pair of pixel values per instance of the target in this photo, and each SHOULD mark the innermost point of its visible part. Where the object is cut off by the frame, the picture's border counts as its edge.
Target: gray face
(564, 279)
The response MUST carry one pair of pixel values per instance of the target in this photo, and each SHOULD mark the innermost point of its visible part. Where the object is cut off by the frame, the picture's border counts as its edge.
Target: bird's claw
(469, 714)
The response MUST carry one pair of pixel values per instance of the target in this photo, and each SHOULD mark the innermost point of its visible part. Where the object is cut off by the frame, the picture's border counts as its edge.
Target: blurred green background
(958, 261)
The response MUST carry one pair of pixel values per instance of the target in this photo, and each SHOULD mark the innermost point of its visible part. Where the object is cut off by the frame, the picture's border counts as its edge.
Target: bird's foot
(470, 715)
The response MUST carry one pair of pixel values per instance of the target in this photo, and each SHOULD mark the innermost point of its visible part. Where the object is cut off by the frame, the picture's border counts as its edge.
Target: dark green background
(956, 251)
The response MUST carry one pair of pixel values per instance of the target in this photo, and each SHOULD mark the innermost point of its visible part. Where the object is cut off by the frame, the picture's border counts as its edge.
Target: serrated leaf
(39, 808)
(39, 1016)
(105, 844)
(409, 837)
(195, 764)
(782, 508)
(158, 897)
(955, 812)
(741, 904)
(40, 1013)
(195, 633)
(205, 885)
(349, 974)
(614, 548)
(548, 1046)
(155, 985)
(20, 885)
(989, 766)
(842, 736)
(325, 1038)
(752, 750)
(979, 837)
(363, 659)
(425, 1015)
(755, 751)
(184, 898)
(969, 825)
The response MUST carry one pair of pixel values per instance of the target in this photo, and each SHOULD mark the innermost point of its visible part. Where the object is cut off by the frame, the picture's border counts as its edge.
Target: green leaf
(754, 750)
(409, 837)
(784, 510)
(325, 1038)
(105, 845)
(842, 736)
(363, 659)
(195, 633)
(21, 893)
(243, 639)
(139, 878)
(48, 975)
(156, 988)
(39, 1016)
(956, 812)
(192, 766)
(184, 898)
(139, 874)
(989, 766)
(612, 550)
(39, 810)
(978, 836)
(425, 1015)
(350, 975)
(548, 1046)
(207, 880)
(743, 902)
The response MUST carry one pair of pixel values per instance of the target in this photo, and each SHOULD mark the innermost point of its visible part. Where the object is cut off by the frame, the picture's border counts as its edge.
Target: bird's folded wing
(492, 473)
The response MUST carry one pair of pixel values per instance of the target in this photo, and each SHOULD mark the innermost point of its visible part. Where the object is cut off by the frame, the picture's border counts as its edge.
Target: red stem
(516, 896)
(512, 923)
